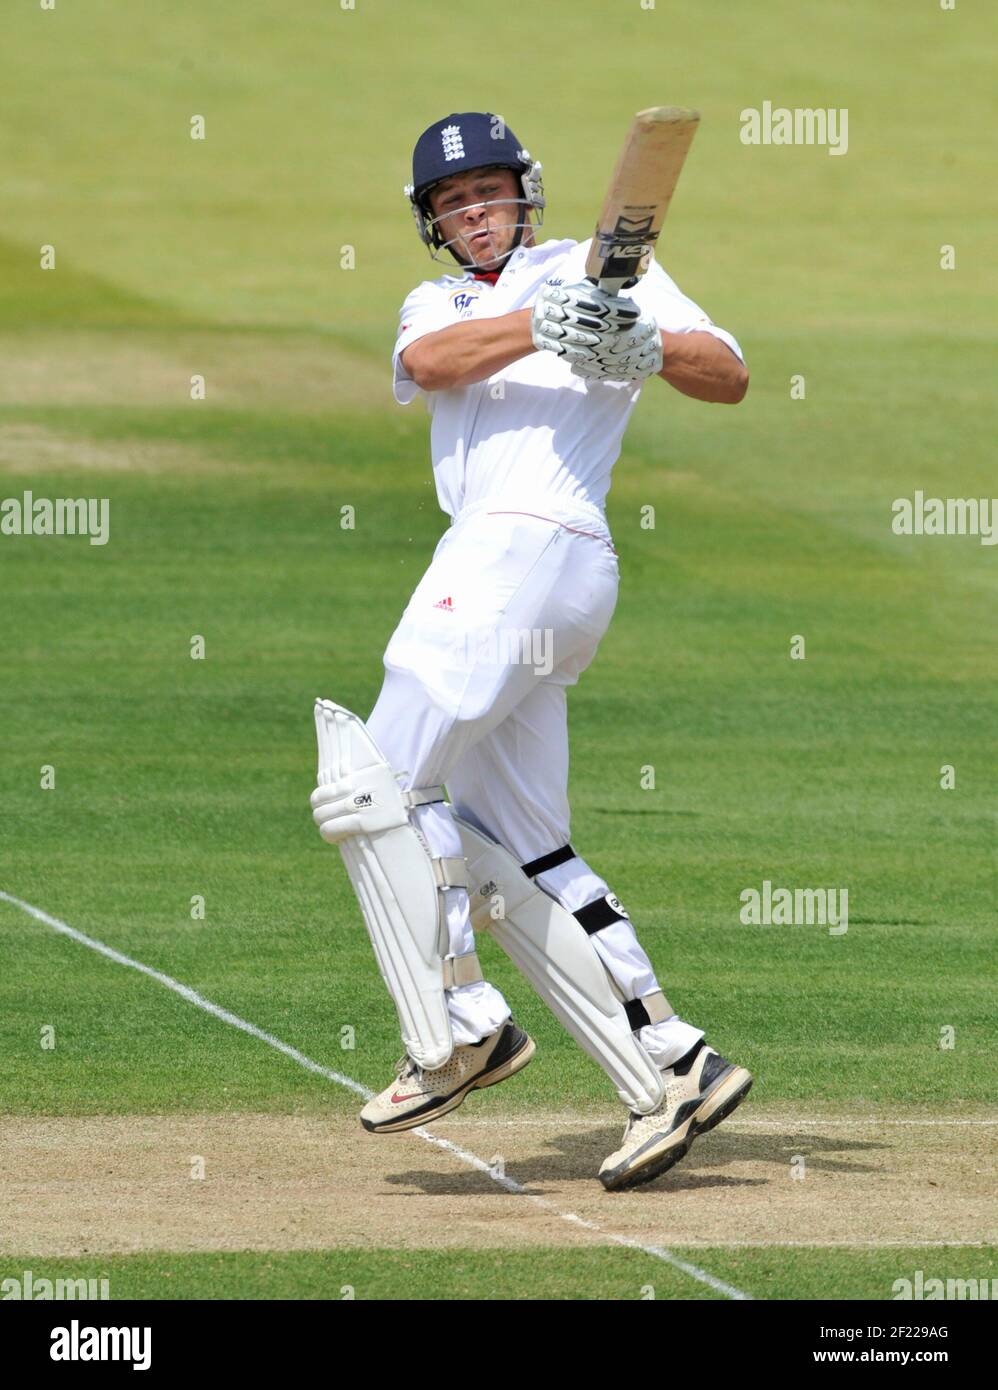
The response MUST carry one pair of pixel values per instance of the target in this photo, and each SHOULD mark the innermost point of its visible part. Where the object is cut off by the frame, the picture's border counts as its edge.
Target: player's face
(485, 233)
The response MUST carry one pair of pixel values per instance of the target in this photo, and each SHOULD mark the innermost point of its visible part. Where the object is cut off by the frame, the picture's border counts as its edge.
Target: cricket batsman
(530, 372)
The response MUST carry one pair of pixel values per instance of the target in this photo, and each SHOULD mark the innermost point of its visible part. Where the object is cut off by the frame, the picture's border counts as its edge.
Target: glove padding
(632, 355)
(575, 321)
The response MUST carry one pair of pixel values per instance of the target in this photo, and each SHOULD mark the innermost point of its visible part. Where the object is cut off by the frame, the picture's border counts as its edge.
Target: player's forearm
(468, 352)
(700, 365)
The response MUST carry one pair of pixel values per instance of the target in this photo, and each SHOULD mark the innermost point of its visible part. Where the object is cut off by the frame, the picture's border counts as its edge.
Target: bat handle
(614, 286)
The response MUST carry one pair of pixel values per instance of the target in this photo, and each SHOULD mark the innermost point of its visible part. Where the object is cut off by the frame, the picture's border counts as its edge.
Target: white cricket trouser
(509, 613)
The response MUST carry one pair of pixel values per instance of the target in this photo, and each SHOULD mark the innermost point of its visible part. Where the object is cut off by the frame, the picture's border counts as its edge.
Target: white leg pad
(359, 805)
(548, 945)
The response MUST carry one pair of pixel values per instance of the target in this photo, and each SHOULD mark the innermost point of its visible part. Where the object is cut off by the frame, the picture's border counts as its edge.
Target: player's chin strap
(493, 272)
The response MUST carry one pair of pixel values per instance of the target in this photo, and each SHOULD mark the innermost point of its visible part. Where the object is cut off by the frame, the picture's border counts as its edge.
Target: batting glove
(574, 321)
(633, 355)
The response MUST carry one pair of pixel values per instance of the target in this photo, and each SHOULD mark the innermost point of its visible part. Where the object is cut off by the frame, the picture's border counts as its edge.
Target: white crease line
(874, 1120)
(834, 1244)
(510, 1184)
(191, 995)
(587, 1122)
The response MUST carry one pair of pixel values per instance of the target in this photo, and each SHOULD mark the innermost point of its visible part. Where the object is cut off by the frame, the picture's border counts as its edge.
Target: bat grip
(613, 286)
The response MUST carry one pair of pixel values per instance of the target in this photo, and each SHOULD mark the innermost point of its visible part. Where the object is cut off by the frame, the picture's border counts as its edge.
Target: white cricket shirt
(532, 434)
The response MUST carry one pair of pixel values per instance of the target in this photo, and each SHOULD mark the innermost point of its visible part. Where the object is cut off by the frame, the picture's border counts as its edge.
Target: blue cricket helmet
(459, 142)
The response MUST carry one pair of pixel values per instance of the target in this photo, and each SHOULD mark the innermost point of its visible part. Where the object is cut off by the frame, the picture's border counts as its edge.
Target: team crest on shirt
(464, 301)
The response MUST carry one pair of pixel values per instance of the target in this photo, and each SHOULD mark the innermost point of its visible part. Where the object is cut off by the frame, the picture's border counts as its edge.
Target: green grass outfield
(508, 1275)
(177, 778)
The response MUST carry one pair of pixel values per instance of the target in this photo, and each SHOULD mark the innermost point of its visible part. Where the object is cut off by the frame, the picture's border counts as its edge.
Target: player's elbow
(425, 368)
(423, 375)
(737, 385)
(729, 384)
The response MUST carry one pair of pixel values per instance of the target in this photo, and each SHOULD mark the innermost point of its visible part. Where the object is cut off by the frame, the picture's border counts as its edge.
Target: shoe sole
(715, 1107)
(510, 1067)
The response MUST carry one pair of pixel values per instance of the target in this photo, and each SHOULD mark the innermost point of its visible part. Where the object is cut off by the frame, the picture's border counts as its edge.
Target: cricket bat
(640, 191)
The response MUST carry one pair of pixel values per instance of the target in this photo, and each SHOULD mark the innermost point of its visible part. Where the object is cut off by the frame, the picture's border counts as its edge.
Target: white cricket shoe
(701, 1090)
(418, 1095)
